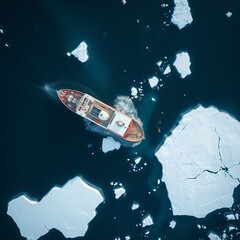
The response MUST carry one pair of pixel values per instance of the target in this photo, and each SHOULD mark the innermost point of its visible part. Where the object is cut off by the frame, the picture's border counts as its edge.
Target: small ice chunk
(182, 64)
(119, 192)
(228, 14)
(172, 224)
(134, 91)
(69, 209)
(109, 144)
(159, 63)
(1, 31)
(167, 70)
(213, 236)
(147, 221)
(80, 52)
(127, 238)
(135, 206)
(181, 14)
(137, 160)
(124, 2)
(230, 216)
(153, 81)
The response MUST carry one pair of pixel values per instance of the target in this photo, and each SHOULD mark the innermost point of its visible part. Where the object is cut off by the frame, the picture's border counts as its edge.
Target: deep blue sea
(44, 144)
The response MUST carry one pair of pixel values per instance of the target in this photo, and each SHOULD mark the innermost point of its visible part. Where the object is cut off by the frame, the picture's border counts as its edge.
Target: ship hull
(107, 117)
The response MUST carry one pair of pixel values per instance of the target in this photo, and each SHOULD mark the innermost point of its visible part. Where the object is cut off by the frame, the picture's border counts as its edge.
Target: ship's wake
(51, 91)
(125, 105)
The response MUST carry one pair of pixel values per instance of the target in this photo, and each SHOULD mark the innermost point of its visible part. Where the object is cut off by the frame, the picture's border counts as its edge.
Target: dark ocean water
(44, 144)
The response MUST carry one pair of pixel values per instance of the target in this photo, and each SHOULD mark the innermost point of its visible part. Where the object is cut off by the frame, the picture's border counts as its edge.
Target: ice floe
(80, 52)
(69, 209)
(200, 162)
(153, 81)
(182, 64)
(228, 14)
(172, 224)
(167, 70)
(134, 91)
(181, 14)
(213, 236)
(109, 144)
(147, 221)
(135, 206)
(119, 191)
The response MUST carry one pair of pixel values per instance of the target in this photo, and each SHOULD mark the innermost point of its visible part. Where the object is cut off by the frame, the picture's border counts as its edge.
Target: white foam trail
(50, 91)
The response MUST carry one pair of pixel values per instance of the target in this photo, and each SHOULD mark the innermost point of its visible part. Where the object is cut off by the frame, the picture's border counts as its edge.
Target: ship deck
(94, 108)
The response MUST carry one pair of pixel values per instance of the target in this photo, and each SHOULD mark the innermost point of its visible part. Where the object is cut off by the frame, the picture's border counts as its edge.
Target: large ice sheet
(69, 209)
(182, 14)
(200, 162)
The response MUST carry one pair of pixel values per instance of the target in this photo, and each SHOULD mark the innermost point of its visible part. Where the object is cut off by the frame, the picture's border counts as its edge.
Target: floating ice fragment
(109, 144)
(124, 2)
(228, 14)
(137, 160)
(127, 238)
(1, 31)
(182, 14)
(57, 209)
(80, 52)
(153, 81)
(213, 236)
(203, 149)
(182, 64)
(167, 70)
(159, 63)
(135, 205)
(147, 221)
(134, 91)
(230, 216)
(172, 224)
(119, 192)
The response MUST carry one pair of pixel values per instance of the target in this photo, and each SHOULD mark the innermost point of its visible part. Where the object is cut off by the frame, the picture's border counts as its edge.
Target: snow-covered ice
(182, 64)
(172, 224)
(69, 209)
(135, 206)
(213, 236)
(147, 221)
(80, 52)
(159, 63)
(109, 144)
(181, 14)
(153, 81)
(200, 162)
(134, 91)
(228, 14)
(167, 70)
(119, 191)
